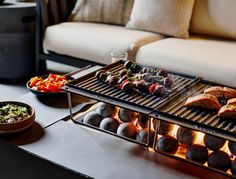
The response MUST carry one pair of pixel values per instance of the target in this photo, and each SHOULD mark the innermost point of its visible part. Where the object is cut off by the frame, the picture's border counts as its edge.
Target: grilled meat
(231, 101)
(206, 101)
(229, 93)
(221, 92)
(217, 91)
(228, 111)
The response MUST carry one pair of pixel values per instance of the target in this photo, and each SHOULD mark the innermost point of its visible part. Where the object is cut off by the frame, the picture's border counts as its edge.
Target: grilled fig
(112, 80)
(135, 68)
(127, 86)
(163, 73)
(168, 82)
(123, 72)
(128, 64)
(159, 91)
(142, 86)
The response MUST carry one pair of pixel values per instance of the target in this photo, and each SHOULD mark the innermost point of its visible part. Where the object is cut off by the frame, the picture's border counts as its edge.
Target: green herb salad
(11, 113)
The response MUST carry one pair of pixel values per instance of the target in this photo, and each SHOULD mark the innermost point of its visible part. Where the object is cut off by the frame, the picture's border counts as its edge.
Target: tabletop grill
(169, 108)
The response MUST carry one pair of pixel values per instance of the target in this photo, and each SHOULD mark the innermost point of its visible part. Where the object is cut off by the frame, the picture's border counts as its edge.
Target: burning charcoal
(127, 86)
(233, 167)
(106, 110)
(165, 127)
(92, 118)
(142, 136)
(168, 144)
(186, 136)
(126, 115)
(232, 147)
(110, 124)
(128, 64)
(213, 143)
(143, 120)
(220, 160)
(168, 82)
(127, 130)
(123, 72)
(163, 73)
(197, 153)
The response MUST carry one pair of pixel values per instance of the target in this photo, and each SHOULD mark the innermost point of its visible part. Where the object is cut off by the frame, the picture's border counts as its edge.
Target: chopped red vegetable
(52, 83)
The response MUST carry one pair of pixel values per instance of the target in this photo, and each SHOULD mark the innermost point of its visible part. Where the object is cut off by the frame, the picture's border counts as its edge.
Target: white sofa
(203, 54)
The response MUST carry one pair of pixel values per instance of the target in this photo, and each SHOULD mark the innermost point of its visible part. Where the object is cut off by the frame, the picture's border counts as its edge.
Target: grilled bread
(221, 92)
(229, 93)
(231, 101)
(205, 101)
(228, 111)
(217, 91)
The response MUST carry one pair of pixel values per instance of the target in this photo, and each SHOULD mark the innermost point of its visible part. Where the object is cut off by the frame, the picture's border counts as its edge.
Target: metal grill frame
(127, 101)
(152, 113)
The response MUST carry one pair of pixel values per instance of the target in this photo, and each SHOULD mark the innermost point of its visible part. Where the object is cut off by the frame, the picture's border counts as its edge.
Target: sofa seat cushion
(92, 41)
(210, 59)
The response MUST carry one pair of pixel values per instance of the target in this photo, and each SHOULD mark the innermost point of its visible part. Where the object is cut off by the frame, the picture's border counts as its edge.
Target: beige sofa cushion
(214, 17)
(169, 17)
(93, 41)
(211, 59)
(103, 11)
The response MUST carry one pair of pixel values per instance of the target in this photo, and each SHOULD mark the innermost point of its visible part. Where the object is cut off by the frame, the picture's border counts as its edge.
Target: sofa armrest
(134, 47)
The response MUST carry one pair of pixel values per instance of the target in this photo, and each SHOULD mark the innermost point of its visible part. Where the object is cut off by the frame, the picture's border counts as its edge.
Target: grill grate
(170, 108)
(90, 87)
(199, 119)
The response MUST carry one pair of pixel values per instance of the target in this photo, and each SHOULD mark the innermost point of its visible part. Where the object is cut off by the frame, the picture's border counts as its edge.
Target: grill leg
(70, 105)
(157, 127)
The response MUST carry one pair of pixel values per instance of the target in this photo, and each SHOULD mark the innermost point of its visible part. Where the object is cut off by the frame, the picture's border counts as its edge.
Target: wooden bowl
(19, 125)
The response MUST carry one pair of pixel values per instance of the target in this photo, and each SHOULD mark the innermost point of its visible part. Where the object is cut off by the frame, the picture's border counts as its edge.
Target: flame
(199, 138)
(174, 131)
(137, 124)
(152, 124)
(151, 149)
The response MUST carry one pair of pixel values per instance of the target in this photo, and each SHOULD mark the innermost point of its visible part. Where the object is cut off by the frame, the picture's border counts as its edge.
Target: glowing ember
(199, 138)
(174, 131)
